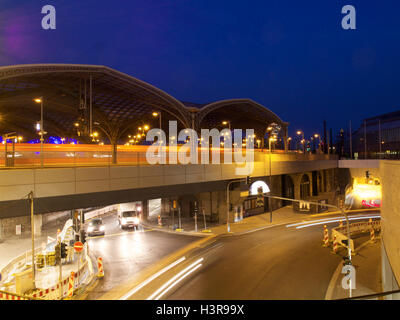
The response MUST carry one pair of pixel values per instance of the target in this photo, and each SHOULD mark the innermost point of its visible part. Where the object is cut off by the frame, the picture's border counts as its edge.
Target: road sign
(78, 246)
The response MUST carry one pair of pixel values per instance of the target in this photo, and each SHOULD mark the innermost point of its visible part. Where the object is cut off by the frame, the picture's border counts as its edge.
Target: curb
(181, 231)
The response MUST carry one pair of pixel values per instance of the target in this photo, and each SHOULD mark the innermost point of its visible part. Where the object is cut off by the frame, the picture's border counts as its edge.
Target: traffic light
(57, 250)
(248, 181)
(367, 174)
(83, 236)
(63, 250)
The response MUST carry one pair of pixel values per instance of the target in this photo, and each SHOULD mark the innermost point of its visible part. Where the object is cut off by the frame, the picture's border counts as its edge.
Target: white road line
(174, 278)
(147, 281)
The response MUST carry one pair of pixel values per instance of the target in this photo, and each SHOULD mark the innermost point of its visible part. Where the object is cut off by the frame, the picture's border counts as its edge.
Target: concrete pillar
(145, 209)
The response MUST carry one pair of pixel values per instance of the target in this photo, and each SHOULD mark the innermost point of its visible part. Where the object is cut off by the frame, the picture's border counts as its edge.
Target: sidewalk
(367, 263)
(252, 223)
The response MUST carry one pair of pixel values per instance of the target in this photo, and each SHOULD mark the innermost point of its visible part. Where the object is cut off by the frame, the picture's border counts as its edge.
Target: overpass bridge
(89, 180)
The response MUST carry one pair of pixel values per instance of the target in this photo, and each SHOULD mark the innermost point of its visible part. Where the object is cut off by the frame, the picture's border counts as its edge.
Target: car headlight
(102, 228)
(90, 229)
(136, 220)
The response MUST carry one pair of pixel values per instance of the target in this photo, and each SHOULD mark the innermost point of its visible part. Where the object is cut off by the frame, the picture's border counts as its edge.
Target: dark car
(96, 228)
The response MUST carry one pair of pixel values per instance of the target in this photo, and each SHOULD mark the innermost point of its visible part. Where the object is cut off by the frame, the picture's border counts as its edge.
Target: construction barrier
(71, 285)
(13, 296)
(326, 236)
(372, 235)
(159, 221)
(335, 244)
(100, 273)
(340, 224)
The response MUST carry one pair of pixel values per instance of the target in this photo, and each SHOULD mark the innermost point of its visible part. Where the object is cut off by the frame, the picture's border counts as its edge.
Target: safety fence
(339, 237)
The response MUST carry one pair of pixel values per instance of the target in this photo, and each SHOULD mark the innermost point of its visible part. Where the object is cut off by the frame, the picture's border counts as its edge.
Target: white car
(128, 219)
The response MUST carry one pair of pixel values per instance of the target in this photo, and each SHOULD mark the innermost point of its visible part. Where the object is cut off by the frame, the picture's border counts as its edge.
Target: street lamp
(272, 139)
(317, 135)
(158, 114)
(40, 100)
(227, 123)
(299, 132)
(288, 142)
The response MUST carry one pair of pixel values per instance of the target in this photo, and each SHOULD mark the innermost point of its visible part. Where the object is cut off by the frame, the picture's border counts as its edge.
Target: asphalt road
(126, 252)
(276, 263)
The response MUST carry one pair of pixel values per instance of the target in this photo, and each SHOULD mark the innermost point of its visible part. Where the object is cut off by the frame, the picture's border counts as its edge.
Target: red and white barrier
(335, 244)
(326, 237)
(100, 273)
(71, 285)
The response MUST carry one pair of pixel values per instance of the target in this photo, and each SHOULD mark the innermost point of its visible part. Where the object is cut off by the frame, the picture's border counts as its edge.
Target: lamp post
(271, 139)
(317, 135)
(299, 132)
(158, 114)
(33, 238)
(40, 100)
(227, 123)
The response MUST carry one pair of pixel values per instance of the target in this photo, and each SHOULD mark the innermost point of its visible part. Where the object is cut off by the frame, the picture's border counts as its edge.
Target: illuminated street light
(299, 132)
(146, 127)
(158, 114)
(40, 100)
(227, 123)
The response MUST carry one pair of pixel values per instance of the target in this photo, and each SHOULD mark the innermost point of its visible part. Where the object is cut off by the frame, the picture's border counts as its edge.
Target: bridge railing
(27, 155)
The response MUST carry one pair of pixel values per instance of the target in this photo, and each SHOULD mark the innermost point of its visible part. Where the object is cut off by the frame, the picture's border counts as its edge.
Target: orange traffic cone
(100, 273)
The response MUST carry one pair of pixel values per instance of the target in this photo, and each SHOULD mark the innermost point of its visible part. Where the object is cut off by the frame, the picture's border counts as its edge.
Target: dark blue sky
(291, 56)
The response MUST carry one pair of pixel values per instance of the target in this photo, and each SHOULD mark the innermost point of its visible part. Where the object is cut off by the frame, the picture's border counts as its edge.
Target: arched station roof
(119, 101)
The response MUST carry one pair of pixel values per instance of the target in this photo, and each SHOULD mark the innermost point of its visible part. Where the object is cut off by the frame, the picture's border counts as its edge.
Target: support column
(114, 152)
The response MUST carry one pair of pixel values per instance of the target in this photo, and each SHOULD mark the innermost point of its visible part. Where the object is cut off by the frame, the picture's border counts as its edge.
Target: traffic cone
(100, 273)
(372, 235)
(326, 237)
(335, 244)
(71, 285)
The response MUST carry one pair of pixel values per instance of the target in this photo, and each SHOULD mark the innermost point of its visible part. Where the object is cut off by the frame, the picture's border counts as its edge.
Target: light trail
(332, 221)
(154, 276)
(165, 285)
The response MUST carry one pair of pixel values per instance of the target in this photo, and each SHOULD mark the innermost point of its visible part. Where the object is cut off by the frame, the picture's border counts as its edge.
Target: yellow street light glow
(76, 124)
(146, 127)
(95, 134)
(155, 114)
(38, 100)
(289, 138)
(316, 135)
(298, 132)
(140, 128)
(224, 123)
(138, 135)
(19, 138)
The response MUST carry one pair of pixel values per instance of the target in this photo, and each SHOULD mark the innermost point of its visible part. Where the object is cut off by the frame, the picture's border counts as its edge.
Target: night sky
(291, 56)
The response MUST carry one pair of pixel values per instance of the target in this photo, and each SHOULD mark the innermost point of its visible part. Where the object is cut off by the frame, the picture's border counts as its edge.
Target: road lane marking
(197, 262)
(177, 281)
(147, 281)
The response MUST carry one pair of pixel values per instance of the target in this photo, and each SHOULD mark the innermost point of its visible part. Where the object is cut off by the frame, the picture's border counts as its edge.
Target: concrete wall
(390, 171)
(59, 183)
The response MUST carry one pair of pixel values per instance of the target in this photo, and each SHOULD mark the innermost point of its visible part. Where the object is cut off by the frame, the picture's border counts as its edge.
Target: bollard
(159, 221)
(372, 235)
(335, 244)
(326, 237)
(71, 285)
(100, 273)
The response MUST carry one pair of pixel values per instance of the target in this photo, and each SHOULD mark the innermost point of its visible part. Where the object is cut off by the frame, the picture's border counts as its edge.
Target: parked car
(96, 228)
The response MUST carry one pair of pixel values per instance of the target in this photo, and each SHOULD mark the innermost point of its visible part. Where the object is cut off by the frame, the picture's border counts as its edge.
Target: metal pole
(270, 183)
(204, 216)
(60, 272)
(228, 227)
(90, 111)
(351, 143)
(179, 217)
(160, 122)
(380, 140)
(365, 139)
(195, 220)
(41, 131)
(33, 239)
